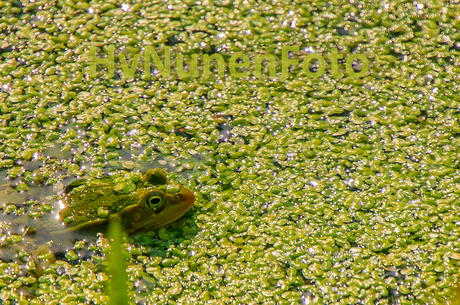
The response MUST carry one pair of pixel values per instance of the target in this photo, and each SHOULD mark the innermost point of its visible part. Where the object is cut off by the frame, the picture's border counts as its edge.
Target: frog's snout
(186, 197)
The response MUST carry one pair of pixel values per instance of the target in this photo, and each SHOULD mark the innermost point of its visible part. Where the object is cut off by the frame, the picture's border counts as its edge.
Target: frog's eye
(155, 201)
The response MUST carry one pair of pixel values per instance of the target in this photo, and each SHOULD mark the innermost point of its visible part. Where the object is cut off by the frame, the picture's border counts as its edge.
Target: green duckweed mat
(309, 190)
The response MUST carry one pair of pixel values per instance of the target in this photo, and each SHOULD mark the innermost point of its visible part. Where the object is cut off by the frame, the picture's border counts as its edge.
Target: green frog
(154, 204)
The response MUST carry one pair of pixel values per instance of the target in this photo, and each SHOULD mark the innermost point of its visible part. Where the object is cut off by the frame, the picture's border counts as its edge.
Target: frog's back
(92, 202)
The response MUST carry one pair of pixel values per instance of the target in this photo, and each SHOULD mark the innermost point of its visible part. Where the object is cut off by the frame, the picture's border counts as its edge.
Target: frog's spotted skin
(93, 203)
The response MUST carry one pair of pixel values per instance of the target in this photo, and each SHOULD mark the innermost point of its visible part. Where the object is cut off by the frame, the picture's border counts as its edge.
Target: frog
(91, 204)
(153, 204)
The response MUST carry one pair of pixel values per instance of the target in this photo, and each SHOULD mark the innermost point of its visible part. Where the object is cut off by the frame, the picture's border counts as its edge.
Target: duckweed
(314, 190)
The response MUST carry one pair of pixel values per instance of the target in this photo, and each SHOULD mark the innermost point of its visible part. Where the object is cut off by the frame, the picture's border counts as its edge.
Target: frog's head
(156, 208)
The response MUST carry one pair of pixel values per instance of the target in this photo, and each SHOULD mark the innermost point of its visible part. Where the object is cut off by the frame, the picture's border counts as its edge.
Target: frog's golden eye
(155, 201)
